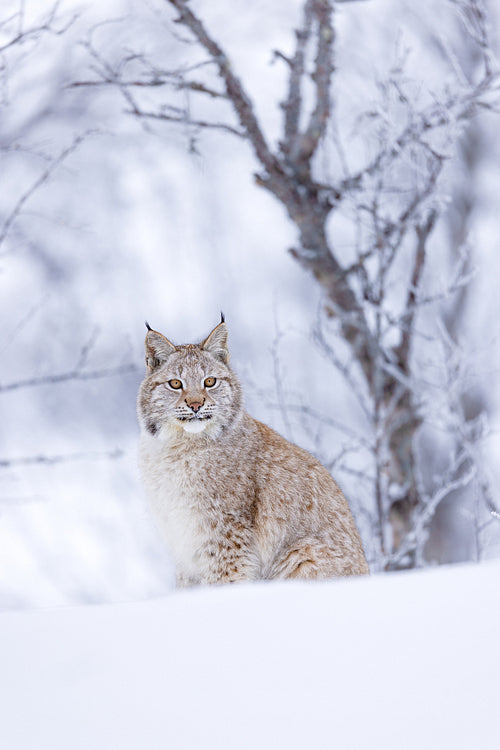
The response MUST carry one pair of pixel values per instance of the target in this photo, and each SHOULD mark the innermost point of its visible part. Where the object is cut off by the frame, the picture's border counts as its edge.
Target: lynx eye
(175, 384)
(210, 382)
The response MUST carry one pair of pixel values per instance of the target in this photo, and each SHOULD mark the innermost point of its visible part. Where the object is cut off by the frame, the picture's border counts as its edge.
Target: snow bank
(401, 661)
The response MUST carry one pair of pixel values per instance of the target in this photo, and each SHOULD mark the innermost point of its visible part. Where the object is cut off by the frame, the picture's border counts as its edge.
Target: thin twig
(182, 120)
(39, 182)
(234, 87)
(67, 376)
(408, 318)
(9, 463)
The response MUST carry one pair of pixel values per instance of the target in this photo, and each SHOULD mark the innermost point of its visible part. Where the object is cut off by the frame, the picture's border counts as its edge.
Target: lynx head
(188, 388)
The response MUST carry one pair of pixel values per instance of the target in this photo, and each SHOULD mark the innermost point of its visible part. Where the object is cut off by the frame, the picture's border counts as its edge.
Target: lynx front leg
(226, 576)
(231, 569)
(229, 560)
(214, 574)
(229, 554)
(309, 559)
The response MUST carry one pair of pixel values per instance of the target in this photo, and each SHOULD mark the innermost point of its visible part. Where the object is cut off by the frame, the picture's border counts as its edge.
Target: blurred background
(108, 219)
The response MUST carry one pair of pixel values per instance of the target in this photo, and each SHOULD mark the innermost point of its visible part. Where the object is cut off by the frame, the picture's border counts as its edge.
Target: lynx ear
(216, 343)
(158, 349)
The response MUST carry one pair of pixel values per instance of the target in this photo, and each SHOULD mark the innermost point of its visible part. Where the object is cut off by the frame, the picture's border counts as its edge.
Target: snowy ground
(402, 661)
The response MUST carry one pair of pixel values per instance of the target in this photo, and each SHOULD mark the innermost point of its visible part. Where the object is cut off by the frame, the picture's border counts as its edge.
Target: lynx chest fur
(234, 500)
(207, 522)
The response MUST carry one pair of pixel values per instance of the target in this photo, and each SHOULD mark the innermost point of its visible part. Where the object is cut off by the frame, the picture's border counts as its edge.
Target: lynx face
(188, 388)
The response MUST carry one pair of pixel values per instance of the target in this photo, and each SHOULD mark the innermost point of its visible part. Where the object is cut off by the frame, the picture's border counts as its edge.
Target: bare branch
(156, 79)
(475, 22)
(293, 104)
(341, 301)
(345, 370)
(328, 421)
(9, 463)
(67, 376)
(87, 348)
(234, 88)
(44, 25)
(458, 479)
(316, 128)
(456, 109)
(407, 321)
(184, 119)
(46, 174)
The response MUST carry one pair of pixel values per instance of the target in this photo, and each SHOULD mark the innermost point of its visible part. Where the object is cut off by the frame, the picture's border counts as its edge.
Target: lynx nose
(195, 405)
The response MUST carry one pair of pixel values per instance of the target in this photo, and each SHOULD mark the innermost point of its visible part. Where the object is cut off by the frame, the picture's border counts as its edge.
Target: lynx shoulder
(235, 500)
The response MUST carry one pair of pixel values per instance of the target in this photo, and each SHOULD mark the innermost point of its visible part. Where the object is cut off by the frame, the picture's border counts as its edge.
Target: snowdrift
(399, 661)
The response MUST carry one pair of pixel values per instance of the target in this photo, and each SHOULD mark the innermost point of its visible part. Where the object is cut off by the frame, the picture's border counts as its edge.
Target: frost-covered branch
(51, 460)
(458, 477)
(234, 89)
(77, 374)
(37, 184)
(16, 33)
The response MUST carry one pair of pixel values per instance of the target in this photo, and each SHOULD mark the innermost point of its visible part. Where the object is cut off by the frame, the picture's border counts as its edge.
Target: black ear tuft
(148, 326)
(222, 318)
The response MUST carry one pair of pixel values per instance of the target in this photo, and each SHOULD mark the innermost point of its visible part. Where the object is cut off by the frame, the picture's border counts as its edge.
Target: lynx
(234, 500)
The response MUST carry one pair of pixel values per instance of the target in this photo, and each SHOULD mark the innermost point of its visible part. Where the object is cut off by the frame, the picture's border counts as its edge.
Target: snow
(407, 660)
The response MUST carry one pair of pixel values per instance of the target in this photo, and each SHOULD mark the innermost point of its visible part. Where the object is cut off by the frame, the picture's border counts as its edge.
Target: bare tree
(375, 293)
